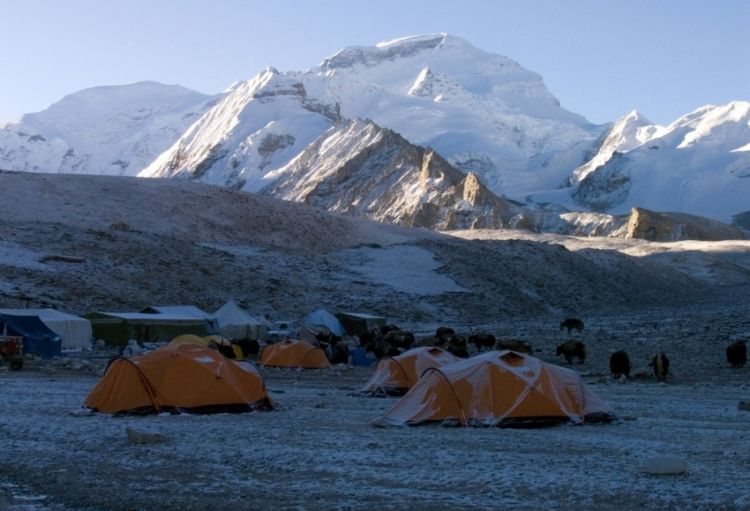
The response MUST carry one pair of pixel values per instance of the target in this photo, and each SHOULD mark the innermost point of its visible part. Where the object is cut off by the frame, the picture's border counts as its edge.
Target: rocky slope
(360, 169)
(83, 243)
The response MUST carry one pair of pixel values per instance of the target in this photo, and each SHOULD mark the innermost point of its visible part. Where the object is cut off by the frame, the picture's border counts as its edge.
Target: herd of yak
(391, 341)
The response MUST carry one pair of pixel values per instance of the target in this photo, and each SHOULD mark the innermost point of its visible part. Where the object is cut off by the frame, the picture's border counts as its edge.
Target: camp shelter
(359, 323)
(235, 323)
(184, 377)
(293, 353)
(37, 337)
(74, 331)
(394, 376)
(499, 388)
(186, 311)
(320, 321)
(116, 328)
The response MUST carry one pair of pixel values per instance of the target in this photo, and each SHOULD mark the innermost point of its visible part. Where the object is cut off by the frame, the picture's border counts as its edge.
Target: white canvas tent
(183, 311)
(75, 331)
(235, 323)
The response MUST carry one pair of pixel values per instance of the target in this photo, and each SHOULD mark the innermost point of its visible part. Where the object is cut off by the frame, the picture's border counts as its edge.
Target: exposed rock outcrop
(652, 226)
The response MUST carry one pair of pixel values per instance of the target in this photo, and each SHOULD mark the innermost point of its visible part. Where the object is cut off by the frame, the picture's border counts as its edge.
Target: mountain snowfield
(338, 136)
(699, 164)
(113, 130)
(484, 113)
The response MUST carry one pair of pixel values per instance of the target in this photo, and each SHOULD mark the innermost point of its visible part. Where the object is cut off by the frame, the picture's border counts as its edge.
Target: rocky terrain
(83, 243)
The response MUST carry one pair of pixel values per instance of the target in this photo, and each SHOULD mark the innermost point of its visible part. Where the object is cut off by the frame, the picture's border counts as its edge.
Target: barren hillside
(86, 243)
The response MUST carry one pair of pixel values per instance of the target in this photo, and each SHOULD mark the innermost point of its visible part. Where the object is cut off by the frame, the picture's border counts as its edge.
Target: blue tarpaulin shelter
(320, 321)
(37, 338)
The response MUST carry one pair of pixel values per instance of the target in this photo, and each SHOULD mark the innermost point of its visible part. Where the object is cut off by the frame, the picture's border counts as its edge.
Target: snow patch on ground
(405, 268)
(18, 256)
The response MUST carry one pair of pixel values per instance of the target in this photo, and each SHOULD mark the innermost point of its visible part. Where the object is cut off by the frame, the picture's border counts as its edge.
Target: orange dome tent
(179, 377)
(394, 376)
(499, 388)
(291, 353)
(211, 341)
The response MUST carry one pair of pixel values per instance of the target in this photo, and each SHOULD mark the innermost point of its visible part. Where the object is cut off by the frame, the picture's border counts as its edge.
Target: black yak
(249, 347)
(572, 324)
(660, 364)
(572, 348)
(482, 340)
(619, 364)
(737, 354)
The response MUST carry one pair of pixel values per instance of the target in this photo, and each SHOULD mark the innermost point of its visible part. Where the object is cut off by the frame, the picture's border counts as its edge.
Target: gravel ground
(320, 451)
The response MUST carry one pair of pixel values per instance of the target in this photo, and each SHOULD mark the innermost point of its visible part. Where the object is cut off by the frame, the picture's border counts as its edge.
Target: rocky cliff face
(652, 226)
(361, 169)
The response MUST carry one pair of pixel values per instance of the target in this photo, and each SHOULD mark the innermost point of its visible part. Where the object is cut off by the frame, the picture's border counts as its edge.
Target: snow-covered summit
(484, 113)
(699, 164)
(102, 130)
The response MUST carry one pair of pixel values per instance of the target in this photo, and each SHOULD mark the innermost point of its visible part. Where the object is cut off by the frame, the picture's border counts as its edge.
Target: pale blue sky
(601, 58)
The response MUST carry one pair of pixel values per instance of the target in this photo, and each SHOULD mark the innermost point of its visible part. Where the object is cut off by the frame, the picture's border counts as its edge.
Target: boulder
(143, 437)
(665, 465)
(744, 406)
(653, 226)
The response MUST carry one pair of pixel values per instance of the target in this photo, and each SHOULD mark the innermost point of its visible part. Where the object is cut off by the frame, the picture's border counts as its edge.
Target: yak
(572, 348)
(482, 340)
(660, 364)
(737, 354)
(572, 324)
(619, 364)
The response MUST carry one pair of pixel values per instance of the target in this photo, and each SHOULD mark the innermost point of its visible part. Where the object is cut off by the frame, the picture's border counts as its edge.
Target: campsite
(320, 448)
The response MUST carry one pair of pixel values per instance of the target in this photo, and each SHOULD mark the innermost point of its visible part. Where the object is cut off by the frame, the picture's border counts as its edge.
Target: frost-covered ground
(320, 451)
(131, 243)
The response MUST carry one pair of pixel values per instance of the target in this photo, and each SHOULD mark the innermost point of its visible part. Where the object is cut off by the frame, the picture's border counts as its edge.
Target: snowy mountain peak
(102, 130)
(698, 164)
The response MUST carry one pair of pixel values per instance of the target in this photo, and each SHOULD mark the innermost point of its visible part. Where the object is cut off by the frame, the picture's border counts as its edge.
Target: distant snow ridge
(699, 164)
(257, 128)
(431, 100)
(115, 130)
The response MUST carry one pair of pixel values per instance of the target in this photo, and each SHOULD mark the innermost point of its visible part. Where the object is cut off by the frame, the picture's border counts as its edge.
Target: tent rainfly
(74, 331)
(500, 389)
(394, 376)
(184, 377)
(235, 323)
(294, 354)
(320, 321)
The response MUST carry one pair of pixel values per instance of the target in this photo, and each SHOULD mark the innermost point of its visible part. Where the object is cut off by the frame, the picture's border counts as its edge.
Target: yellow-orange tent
(179, 377)
(394, 376)
(499, 388)
(207, 341)
(189, 339)
(292, 353)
